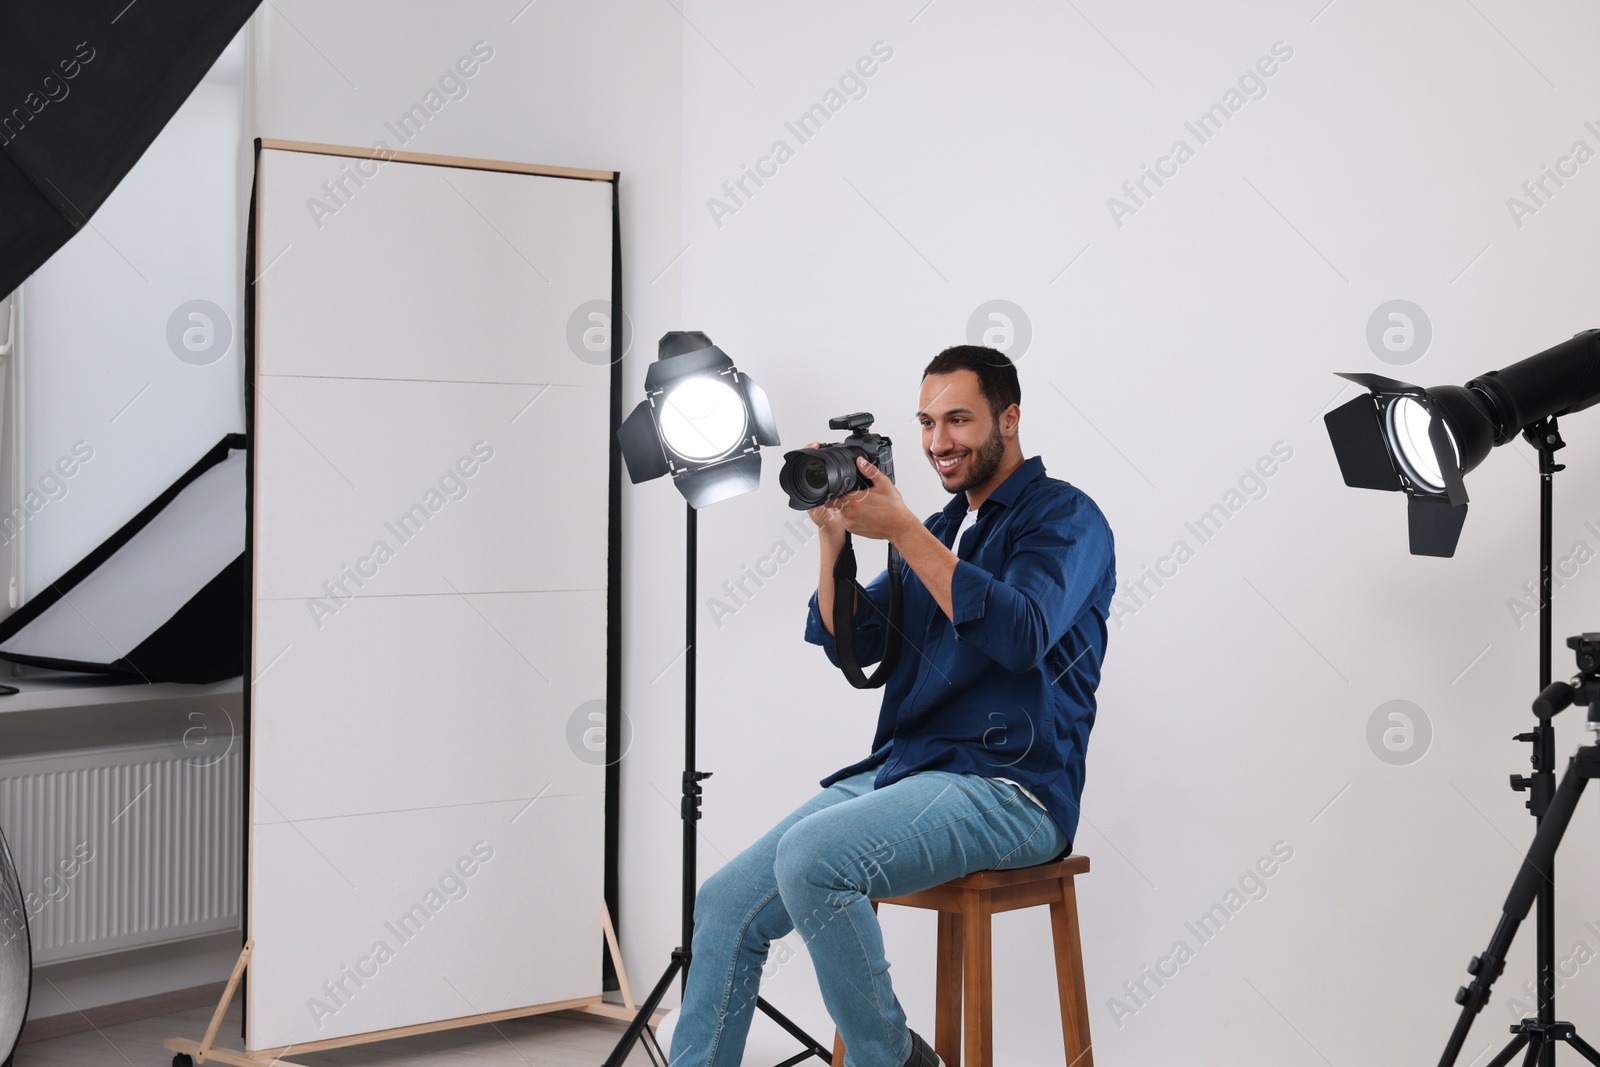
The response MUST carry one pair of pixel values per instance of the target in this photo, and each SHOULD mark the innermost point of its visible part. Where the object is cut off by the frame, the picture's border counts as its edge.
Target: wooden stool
(964, 905)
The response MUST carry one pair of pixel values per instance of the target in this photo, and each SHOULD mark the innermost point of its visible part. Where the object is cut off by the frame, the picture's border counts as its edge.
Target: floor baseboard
(123, 1011)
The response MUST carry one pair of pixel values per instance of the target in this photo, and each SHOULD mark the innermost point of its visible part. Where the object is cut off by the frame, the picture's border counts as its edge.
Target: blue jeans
(821, 864)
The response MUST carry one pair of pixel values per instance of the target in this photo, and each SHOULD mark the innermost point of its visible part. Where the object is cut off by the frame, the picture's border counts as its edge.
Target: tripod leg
(810, 1043)
(652, 1048)
(1534, 1048)
(1586, 1050)
(640, 1023)
(1510, 1051)
(1524, 891)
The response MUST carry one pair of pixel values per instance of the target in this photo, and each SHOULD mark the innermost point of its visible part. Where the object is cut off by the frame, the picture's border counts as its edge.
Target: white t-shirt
(966, 523)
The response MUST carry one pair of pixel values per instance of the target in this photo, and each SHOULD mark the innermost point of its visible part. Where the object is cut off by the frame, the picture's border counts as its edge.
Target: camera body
(813, 476)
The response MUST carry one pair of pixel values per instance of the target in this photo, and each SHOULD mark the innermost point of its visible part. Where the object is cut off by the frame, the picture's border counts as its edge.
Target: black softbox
(85, 87)
(160, 600)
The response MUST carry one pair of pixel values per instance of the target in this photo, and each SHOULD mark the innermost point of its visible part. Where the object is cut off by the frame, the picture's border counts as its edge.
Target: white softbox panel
(160, 600)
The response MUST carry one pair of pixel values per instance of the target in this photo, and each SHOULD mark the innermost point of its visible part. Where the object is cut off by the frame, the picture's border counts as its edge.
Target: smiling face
(971, 451)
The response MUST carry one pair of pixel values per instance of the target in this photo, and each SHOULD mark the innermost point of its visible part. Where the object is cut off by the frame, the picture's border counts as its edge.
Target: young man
(978, 758)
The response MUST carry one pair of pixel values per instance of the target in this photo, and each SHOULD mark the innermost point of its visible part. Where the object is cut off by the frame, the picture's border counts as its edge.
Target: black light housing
(701, 421)
(1424, 441)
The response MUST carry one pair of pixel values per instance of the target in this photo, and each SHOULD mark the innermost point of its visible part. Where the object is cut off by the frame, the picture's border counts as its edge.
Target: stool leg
(947, 1012)
(1069, 977)
(978, 990)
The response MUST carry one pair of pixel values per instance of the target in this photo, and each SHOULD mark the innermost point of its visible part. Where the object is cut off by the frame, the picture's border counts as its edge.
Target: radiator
(123, 847)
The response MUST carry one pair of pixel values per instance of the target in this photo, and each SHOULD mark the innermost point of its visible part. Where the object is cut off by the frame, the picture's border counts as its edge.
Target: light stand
(1545, 437)
(1536, 883)
(648, 443)
(689, 811)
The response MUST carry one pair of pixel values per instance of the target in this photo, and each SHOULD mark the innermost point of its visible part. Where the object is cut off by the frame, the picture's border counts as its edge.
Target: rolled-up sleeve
(872, 611)
(1055, 565)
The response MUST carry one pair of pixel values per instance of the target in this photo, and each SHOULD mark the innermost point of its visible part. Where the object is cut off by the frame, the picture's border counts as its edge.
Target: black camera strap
(844, 627)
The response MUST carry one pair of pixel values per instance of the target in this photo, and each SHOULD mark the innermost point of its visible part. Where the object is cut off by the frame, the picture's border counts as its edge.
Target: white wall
(1189, 340)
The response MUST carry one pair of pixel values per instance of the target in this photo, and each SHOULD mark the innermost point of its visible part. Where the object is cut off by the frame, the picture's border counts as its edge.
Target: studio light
(1423, 442)
(704, 423)
(701, 421)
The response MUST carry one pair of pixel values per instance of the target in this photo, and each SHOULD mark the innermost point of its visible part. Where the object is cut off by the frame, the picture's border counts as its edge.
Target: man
(978, 758)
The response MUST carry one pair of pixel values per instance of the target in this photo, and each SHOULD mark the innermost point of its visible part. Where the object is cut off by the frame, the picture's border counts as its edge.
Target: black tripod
(1540, 1036)
(1551, 808)
(689, 811)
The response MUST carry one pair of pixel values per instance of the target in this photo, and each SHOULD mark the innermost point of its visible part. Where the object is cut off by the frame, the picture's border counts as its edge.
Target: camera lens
(815, 476)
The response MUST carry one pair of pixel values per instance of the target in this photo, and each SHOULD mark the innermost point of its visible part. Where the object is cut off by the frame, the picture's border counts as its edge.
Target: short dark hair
(997, 375)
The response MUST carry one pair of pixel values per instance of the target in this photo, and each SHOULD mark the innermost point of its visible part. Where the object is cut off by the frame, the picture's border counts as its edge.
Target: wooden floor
(543, 1040)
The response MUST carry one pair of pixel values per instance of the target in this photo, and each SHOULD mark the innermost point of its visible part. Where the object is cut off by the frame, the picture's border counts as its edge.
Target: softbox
(85, 88)
(160, 600)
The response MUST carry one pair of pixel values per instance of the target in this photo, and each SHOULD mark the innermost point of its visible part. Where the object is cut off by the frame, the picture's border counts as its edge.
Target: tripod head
(1583, 690)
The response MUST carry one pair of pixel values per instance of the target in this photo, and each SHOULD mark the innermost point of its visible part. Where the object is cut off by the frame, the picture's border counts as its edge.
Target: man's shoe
(922, 1054)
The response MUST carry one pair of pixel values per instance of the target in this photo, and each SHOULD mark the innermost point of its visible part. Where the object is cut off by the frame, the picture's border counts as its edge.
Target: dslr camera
(813, 476)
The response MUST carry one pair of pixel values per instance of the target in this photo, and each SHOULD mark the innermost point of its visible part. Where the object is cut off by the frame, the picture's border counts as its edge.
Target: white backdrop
(425, 635)
(1167, 356)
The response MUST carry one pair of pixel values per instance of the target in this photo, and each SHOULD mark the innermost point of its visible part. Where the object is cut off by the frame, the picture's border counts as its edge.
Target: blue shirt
(1006, 688)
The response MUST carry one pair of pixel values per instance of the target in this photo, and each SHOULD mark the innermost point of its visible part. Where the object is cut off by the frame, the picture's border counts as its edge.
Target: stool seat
(1065, 867)
(964, 983)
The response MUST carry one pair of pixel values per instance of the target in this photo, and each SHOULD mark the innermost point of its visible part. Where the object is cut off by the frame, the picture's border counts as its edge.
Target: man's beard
(981, 463)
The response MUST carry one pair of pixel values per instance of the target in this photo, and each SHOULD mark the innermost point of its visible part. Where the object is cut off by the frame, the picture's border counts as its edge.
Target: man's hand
(879, 512)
